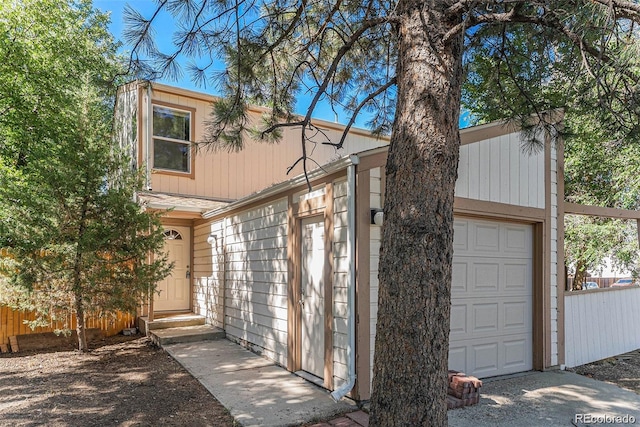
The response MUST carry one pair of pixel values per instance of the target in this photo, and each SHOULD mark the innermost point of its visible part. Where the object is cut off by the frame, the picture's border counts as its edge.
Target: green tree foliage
(410, 62)
(601, 169)
(72, 233)
(600, 127)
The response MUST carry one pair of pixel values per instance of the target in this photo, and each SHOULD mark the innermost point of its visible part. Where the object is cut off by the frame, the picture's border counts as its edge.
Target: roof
(177, 202)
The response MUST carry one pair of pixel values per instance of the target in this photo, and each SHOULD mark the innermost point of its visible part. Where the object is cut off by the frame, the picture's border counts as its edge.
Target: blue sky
(163, 39)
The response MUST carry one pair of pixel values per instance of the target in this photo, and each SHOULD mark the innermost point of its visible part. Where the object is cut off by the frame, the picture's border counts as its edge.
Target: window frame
(153, 137)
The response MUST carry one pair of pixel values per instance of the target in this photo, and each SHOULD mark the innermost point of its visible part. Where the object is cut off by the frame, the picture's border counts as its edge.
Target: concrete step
(185, 334)
(174, 321)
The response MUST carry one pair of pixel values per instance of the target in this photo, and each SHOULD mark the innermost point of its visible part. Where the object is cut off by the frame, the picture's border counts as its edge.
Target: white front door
(312, 281)
(173, 293)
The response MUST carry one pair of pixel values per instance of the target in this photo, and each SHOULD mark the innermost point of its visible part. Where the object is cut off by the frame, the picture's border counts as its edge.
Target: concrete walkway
(258, 393)
(253, 389)
(549, 399)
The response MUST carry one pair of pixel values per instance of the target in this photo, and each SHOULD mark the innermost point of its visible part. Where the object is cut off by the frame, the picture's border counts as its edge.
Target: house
(156, 124)
(292, 273)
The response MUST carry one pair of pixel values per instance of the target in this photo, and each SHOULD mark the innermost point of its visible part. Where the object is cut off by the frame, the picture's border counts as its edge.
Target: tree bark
(412, 332)
(81, 329)
(578, 278)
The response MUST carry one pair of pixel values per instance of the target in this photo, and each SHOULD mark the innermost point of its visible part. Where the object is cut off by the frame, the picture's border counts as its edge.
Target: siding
(374, 259)
(340, 284)
(208, 271)
(256, 279)
(553, 247)
(494, 170)
(233, 175)
(600, 324)
(497, 170)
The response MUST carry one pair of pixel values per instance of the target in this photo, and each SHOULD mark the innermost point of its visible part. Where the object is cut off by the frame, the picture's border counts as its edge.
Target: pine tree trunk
(81, 329)
(412, 333)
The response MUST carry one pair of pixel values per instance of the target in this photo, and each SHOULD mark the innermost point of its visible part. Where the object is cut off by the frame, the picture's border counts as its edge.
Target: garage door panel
(459, 277)
(517, 354)
(485, 318)
(517, 276)
(517, 240)
(485, 237)
(458, 321)
(484, 358)
(457, 357)
(492, 298)
(517, 316)
(460, 236)
(485, 276)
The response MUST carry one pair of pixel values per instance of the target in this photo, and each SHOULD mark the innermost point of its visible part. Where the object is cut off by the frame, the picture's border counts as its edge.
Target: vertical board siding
(256, 279)
(600, 324)
(340, 283)
(497, 170)
(220, 174)
(12, 322)
(208, 271)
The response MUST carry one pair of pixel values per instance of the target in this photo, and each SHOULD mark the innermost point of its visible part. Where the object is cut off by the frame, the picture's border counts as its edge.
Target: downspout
(148, 133)
(351, 294)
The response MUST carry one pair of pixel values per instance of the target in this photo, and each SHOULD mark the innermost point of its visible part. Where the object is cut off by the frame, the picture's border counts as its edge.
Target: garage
(491, 298)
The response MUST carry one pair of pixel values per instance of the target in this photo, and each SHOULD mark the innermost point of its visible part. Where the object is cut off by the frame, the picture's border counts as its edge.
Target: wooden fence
(12, 323)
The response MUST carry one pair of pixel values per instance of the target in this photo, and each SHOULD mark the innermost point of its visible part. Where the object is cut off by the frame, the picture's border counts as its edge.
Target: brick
(454, 402)
(471, 401)
(360, 417)
(463, 382)
(342, 422)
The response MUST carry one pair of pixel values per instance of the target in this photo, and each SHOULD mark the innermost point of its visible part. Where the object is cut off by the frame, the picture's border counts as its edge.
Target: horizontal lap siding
(256, 279)
(259, 165)
(208, 270)
(340, 283)
(553, 268)
(600, 324)
(375, 200)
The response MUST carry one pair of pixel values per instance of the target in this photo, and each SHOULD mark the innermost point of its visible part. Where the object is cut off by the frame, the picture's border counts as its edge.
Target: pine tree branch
(352, 120)
(286, 33)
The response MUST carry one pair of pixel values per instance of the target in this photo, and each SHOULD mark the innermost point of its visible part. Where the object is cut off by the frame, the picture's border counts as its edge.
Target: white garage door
(491, 298)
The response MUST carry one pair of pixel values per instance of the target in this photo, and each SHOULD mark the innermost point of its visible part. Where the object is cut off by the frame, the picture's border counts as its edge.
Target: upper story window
(171, 139)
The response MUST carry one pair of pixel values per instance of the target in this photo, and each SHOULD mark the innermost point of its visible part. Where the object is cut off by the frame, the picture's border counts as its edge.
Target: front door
(312, 289)
(173, 293)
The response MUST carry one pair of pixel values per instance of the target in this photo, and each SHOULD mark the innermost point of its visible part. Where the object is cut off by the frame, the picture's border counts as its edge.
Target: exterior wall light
(377, 217)
(213, 238)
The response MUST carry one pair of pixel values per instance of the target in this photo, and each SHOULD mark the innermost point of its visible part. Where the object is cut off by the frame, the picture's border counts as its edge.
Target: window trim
(192, 128)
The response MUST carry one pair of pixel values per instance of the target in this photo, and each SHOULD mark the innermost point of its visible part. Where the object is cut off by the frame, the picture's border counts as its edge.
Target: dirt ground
(623, 370)
(123, 381)
(126, 381)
